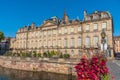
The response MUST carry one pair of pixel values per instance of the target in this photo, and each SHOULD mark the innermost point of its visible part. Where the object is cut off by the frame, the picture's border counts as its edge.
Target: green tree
(1, 35)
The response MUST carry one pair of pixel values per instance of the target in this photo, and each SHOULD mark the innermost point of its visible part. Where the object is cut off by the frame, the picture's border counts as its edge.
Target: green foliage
(34, 54)
(28, 54)
(61, 55)
(39, 55)
(66, 55)
(45, 54)
(106, 77)
(8, 53)
(51, 54)
(1, 35)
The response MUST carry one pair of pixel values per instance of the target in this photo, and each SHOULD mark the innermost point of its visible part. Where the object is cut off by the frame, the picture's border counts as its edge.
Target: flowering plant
(92, 69)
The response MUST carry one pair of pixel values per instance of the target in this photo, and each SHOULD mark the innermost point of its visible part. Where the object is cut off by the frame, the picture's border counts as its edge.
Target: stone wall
(39, 64)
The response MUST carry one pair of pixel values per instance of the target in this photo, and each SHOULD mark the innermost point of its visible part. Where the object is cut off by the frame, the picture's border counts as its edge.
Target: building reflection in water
(10, 74)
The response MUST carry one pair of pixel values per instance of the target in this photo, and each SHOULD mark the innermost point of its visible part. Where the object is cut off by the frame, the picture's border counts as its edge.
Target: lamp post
(103, 41)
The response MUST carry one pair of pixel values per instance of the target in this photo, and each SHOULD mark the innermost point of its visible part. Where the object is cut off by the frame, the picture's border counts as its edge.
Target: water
(10, 74)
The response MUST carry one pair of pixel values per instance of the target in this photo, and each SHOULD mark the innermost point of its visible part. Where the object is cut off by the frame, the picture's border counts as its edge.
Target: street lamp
(103, 41)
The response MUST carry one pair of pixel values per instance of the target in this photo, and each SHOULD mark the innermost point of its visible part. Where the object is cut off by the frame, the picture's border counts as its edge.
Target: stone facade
(117, 44)
(40, 64)
(68, 36)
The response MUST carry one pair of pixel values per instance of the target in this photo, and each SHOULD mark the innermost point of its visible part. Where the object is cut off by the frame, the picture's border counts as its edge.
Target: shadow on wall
(4, 46)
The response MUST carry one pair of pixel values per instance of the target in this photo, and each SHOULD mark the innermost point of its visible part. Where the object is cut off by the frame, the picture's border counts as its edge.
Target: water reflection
(10, 74)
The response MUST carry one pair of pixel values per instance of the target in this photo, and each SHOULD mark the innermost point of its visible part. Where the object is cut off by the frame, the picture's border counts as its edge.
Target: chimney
(85, 13)
(33, 25)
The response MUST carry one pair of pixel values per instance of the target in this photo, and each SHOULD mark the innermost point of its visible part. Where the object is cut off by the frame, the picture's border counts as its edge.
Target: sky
(15, 14)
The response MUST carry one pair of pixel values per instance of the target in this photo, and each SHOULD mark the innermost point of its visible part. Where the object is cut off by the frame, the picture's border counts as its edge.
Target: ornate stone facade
(67, 36)
(117, 44)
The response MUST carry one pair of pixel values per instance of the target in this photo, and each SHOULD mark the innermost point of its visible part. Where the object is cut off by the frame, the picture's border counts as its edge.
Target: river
(11, 74)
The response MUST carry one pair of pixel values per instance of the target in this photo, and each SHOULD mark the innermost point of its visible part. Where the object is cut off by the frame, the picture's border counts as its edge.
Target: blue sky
(15, 14)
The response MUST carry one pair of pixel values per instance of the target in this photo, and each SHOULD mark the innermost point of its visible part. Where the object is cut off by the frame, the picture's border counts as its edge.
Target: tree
(1, 35)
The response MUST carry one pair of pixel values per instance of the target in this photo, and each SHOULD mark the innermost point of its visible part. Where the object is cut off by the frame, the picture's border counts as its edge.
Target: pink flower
(91, 69)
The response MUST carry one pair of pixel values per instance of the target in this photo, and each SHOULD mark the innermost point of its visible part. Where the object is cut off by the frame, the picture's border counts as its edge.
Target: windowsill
(72, 47)
(104, 28)
(80, 32)
(95, 30)
(87, 30)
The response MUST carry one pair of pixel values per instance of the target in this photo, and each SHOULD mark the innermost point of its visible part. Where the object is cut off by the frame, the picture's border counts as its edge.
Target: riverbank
(54, 65)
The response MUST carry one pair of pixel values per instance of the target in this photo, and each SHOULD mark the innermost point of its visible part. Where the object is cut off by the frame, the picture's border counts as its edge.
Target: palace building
(68, 36)
(117, 44)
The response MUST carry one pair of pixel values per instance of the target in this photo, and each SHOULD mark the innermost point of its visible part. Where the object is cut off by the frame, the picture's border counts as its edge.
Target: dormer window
(104, 15)
(88, 18)
(95, 17)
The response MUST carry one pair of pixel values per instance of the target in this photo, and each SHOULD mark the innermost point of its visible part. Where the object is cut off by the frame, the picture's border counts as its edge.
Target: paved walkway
(114, 68)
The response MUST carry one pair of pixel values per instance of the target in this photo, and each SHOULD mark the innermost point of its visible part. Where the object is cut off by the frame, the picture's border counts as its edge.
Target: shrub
(28, 55)
(8, 53)
(61, 55)
(45, 54)
(92, 69)
(34, 55)
(66, 55)
(52, 53)
(39, 55)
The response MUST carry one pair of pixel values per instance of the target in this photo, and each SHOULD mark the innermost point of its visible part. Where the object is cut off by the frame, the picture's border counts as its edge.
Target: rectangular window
(104, 25)
(79, 29)
(40, 43)
(72, 42)
(72, 29)
(49, 43)
(62, 30)
(45, 33)
(95, 26)
(59, 42)
(95, 41)
(59, 31)
(54, 43)
(87, 27)
(54, 31)
(87, 42)
(49, 32)
(79, 42)
(44, 43)
(65, 43)
(65, 30)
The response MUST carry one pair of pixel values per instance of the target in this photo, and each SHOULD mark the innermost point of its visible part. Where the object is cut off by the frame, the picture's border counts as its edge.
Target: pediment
(48, 23)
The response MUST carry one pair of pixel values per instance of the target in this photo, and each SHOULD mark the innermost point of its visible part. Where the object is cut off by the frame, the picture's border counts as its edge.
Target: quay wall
(55, 65)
